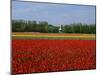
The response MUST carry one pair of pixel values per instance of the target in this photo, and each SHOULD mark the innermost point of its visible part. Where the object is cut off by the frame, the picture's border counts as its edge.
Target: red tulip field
(51, 55)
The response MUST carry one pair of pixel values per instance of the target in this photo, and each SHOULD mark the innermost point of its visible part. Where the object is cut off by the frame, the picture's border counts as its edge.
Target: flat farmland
(43, 52)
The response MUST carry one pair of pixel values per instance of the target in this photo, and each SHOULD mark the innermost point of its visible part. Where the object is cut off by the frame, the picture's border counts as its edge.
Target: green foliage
(33, 26)
(18, 26)
(53, 29)
(80, 28)
(44, 27)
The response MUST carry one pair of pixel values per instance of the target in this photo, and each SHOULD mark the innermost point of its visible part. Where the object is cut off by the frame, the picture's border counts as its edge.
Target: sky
(55, 14)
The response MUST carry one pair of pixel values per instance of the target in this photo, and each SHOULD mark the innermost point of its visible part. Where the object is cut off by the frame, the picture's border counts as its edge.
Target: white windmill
(60, 29)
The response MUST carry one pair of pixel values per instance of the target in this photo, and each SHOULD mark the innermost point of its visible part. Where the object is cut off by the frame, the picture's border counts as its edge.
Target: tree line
(44, 27)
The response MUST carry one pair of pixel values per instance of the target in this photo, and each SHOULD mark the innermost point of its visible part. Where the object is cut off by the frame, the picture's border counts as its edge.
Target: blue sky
(55, 14)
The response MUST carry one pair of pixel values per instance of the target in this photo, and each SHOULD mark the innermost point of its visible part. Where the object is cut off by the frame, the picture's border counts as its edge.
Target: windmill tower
(60, 29)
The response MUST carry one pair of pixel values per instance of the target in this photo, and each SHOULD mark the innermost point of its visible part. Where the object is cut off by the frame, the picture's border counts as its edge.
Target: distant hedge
(44, 27)
(80, 28)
